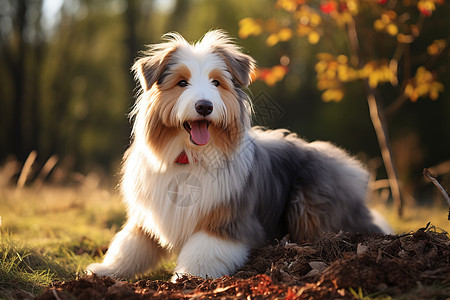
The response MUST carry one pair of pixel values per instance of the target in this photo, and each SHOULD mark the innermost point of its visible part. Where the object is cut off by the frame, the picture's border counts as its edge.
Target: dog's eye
(216, 82)
(182, 83)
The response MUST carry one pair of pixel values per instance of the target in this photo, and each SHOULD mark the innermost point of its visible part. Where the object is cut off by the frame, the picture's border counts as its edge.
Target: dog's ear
(148, 69)
(240, 65)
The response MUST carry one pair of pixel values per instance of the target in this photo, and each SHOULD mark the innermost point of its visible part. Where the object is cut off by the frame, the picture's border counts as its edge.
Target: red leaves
(328, 7)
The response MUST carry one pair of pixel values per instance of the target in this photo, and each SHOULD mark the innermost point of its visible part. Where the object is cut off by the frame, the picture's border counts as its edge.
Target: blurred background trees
(66, 89)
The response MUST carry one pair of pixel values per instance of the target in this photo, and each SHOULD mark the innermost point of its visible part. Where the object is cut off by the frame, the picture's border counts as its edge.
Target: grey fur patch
(302, 189)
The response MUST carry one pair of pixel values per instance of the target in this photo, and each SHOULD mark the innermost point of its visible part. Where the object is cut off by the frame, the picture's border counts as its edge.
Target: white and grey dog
(199, 182)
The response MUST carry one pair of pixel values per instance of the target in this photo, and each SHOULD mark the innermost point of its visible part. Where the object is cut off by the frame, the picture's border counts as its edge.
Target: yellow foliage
(314, 19)
(353, 6)
(272, 40)
(333, 95)
(392, 29)
(342, 11)
(307, 16)
(342, 18)
(333, 72)
(342, 59)
(405, 39)
(281, 35)
(249, 26)
(426, 7)
(379, 25)
(321, 66)
(272, 75)
(276, 74)
(345, 73)
(313, 37)
(423, 85)
(386, 23)
(436, 47)
(308, 22)
(376, 73)
(285, 34)
(325, 56)
(288, 5)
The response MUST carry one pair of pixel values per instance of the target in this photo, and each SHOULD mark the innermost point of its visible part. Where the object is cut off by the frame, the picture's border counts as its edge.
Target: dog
(200, 182)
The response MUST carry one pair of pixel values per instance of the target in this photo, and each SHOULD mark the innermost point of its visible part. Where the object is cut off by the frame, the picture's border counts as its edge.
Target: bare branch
(436, 183)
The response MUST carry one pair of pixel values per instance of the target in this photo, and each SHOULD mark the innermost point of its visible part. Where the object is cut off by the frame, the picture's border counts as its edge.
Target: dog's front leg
(208, 255)
(132, 251)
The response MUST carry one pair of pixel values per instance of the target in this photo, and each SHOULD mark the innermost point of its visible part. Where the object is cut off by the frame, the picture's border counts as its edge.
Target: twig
(396, 105)
(46, 169)
(26, 169)
(55, 294)
(383, 142)
(436, 183)
(441, 168)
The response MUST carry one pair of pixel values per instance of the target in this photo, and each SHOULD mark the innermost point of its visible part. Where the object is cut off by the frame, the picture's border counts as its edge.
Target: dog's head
(193, 93)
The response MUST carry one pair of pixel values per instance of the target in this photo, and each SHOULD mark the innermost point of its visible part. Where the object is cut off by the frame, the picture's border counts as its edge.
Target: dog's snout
(204, 107)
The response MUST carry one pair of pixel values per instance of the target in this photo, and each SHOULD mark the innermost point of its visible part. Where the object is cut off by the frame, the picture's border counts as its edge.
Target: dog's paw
(176, 276)
(100, 270)
(205, 255)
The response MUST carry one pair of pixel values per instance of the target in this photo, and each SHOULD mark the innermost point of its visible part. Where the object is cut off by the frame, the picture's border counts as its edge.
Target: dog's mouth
(198, 131)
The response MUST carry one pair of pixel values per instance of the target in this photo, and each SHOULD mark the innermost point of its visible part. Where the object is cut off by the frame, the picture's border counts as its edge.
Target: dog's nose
(204, 107)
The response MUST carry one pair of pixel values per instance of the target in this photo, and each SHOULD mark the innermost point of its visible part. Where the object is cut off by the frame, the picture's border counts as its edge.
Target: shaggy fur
(241, 185)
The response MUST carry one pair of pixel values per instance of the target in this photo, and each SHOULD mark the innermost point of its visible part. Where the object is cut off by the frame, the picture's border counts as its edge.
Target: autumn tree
(368, 42)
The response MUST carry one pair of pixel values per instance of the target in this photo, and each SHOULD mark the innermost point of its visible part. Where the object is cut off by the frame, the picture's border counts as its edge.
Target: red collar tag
(182, 159)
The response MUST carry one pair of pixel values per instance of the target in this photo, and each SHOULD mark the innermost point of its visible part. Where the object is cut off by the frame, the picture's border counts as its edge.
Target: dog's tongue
(199, 132)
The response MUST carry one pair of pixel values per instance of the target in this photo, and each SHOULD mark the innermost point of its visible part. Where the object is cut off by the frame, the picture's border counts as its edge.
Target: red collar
(182, 159)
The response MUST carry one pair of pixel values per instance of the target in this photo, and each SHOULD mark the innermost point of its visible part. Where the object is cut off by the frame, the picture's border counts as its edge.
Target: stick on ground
(436, 183)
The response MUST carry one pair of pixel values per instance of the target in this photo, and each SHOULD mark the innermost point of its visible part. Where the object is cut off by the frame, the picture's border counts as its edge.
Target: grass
(415, 217)
(53, 233)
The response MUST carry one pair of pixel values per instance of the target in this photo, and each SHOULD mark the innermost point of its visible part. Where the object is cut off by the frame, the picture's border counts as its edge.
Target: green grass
(53, 233)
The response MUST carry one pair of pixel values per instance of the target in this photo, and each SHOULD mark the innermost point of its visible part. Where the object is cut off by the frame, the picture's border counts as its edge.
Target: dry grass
(51, 233)
(415, 217)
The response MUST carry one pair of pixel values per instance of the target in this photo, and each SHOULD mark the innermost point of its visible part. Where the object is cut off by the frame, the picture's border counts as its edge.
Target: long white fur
(147, 200)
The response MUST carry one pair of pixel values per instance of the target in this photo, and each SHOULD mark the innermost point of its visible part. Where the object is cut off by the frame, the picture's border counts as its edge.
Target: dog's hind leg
(311, 214)
(131, 252)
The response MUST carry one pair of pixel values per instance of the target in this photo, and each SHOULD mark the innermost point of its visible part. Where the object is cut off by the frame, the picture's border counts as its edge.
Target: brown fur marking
(161, 125)
(227, 139)
(215, 221)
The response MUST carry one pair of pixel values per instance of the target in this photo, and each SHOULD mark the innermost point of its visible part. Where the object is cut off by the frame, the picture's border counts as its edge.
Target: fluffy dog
(199, 182)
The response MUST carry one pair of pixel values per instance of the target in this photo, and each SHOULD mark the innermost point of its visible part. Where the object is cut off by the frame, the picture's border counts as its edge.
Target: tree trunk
(18, 72)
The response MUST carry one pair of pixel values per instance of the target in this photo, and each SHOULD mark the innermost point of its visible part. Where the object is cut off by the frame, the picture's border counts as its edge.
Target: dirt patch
(337, 266)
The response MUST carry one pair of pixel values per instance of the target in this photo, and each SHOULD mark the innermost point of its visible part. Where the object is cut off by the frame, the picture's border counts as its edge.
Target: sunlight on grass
(53, 233)
(49, 215)
(415, 217)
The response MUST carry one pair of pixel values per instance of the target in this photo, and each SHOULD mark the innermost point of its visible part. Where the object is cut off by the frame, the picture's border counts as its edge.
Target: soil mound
(337, 266)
